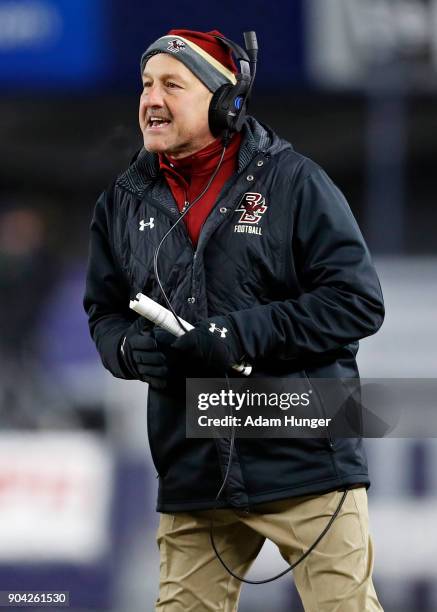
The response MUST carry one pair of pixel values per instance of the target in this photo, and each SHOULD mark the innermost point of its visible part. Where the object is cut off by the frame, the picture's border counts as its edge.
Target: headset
(226, 115)
(228, 107)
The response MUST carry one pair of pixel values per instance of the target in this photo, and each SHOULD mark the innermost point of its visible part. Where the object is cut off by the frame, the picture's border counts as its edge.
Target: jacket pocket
(330, 441)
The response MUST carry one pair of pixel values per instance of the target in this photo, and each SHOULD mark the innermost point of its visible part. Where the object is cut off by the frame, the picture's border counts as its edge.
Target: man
(295, 296)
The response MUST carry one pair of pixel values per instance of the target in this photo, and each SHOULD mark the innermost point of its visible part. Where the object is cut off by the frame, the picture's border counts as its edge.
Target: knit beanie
(201, 52)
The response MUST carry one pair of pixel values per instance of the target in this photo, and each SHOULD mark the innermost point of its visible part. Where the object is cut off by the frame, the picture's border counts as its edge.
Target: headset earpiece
(227, 109)
(228, 106)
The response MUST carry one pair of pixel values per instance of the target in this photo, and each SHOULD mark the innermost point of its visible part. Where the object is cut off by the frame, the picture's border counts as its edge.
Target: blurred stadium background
(352, 84)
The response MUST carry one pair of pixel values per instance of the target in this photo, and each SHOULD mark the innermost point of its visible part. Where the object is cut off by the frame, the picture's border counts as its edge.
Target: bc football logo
(175, 45)
(252, 207)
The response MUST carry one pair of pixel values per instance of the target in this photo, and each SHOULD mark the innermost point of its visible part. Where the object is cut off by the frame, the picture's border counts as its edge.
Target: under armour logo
(150, 224)
(213, 328)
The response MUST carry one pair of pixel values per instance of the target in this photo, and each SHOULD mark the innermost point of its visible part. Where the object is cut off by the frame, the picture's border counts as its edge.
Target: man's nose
(154, 96)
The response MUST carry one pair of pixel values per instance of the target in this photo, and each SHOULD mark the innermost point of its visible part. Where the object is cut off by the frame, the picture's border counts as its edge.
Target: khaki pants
(335, 577)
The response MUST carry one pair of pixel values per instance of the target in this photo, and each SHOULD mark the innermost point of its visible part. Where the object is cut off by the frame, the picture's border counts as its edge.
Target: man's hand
(211, 348)
(142, 356)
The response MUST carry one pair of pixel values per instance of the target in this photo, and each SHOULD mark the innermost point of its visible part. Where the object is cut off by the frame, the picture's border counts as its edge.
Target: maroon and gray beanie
(201, 52)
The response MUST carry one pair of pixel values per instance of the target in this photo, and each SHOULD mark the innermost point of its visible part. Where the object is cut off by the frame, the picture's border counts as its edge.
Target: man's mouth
(157, 123)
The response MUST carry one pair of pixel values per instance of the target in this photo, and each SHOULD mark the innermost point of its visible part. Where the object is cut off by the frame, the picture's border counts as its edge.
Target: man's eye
(171, 85)
(147, 84)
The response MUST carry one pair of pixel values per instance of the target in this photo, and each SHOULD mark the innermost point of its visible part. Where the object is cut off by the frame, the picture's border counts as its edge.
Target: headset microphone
(251, 44)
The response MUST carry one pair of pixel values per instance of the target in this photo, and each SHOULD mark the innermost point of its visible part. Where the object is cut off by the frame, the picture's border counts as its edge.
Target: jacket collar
(256, 138)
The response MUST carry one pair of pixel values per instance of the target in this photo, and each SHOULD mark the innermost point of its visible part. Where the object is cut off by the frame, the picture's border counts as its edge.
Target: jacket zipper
(192, 298)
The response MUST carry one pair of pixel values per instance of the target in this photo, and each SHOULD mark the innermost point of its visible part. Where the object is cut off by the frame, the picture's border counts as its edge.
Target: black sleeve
(106, 299)
(341, 300)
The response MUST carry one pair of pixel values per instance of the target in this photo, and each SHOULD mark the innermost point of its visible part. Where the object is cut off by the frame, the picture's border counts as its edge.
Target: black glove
(210, 349)
(142, 356)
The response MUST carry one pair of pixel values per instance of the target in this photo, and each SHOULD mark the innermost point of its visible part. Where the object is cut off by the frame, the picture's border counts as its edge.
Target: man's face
(175, 95)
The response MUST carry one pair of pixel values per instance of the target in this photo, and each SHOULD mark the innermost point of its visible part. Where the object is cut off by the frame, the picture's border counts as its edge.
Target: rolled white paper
(164, 318)
(158, 314)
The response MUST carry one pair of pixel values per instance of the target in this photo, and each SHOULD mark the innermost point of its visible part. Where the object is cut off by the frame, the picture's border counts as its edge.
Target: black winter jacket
(293, 275)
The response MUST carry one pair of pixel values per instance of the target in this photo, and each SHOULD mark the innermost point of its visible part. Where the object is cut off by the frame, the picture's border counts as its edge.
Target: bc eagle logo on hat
(175, 45)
